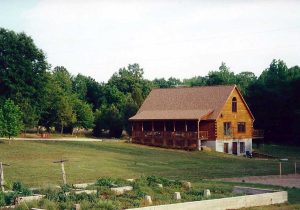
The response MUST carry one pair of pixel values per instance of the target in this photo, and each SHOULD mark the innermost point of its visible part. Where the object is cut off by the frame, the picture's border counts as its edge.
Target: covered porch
(183, 134)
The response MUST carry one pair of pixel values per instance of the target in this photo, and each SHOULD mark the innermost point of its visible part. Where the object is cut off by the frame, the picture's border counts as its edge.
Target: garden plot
(108, 193)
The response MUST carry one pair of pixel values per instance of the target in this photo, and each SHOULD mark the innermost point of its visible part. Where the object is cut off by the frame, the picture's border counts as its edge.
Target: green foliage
(162, 83)
(105, 182)
(277, 86)
(22, 73)
(48, 204)
(222, 77)
(109, 118)
(10, 119)
(21, 189)
(84, 114)
(2, 199)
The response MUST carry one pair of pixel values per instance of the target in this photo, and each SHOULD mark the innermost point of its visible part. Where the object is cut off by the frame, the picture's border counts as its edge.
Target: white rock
(207, 193)
(130, 180)
(82, 186)
(177, 196)
(22, 199)
(77, 206)
(85, 191)
(187, 185)
(148, 200)
(121, 190)
(160, 185)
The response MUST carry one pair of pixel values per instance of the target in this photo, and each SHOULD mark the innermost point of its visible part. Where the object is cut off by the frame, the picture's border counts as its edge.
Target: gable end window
(234, 104)
(227, 128)
(241, 127)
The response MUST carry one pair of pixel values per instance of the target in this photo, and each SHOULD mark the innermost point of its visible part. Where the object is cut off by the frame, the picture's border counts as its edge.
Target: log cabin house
(196, 117)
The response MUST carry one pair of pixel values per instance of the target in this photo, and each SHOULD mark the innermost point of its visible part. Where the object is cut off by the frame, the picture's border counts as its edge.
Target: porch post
(174, 134)
(142, 139)
(164, 134)
(185, 135)
(198, 139)
(152, 134)
(132, 132)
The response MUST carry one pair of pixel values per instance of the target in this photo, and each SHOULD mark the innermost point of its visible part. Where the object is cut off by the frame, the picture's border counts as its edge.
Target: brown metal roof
(184, 103)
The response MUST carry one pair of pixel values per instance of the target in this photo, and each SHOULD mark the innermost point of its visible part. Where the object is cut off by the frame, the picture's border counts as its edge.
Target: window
(242, 147)
(234, 104)
(241, 127)
(227, 128)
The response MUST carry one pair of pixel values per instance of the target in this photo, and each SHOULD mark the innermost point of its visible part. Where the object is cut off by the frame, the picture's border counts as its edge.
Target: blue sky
(167, 38)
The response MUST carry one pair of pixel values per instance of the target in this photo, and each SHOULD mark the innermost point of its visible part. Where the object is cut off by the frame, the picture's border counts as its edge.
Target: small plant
(21, 189)
(2, 199)
(105, 182)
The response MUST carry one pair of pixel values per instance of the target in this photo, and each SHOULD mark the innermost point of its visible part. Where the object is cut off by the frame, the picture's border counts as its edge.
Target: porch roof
(193, 114)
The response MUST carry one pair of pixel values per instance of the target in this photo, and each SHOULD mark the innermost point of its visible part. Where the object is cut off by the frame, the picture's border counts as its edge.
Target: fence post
(280, 169)
(62, 170)
(295, 168)
(1, 177)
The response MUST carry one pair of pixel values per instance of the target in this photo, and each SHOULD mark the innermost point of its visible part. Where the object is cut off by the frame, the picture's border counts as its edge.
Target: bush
(21, 189)
(2, 199)
(105, 182)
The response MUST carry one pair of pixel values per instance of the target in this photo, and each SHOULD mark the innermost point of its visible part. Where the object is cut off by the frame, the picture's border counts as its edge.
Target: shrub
(105, 182)
(21, 189)
(2, 199)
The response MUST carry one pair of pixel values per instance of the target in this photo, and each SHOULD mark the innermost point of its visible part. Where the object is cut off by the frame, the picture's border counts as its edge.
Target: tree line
(53, 98)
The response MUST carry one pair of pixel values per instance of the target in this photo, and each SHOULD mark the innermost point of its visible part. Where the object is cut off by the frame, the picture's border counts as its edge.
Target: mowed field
(32, 162)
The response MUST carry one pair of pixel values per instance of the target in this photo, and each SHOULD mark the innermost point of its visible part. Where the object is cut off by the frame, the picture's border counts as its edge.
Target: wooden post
(142, 139)
(1, 177)
(198, 133)
(280, 169)
(63, 173)
(62, 170)
(186, 135)
(174, 134)
(152, 134)
(164, 135)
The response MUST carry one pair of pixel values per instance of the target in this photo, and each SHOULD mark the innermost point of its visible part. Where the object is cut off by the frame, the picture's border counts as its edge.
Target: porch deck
(170, 139)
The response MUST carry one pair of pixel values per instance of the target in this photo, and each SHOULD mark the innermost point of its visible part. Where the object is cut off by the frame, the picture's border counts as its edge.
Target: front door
(226, 147)
(234, 148)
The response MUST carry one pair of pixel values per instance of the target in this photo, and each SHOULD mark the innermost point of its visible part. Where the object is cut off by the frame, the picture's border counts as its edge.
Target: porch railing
(170, 134)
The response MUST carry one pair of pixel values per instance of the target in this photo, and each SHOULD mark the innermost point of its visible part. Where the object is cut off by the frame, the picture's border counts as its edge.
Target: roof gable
(184, 103)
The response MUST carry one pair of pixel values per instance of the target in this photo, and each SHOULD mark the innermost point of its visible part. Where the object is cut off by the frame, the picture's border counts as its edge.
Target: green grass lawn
(31, 162)
(279, 151)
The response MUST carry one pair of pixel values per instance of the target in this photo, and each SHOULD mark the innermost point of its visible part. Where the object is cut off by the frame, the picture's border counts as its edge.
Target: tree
(162, 83)
(129, 80)
(84, 114)
(111, 119)
(244, 80)
(63, 78)
(221, 77)
(58, 105)
(195, 81)
(23, 70)
(275, 104)
(10, 119)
